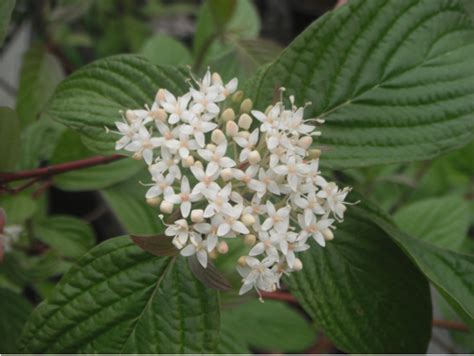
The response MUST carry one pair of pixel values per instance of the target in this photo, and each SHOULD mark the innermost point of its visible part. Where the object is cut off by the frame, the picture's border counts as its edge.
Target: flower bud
(242, 261)
(305, 142)
(244, 134)
(222, 248)
(246, 106)
(298, 265)
(197, 215)
(216, 78)
(130, 115)
(245, 121)
(153, 201)
(314, 153)
(211, 147)
(238, 96)
(213, 254)
(166, 207)
(137, 156)
(250, 239)
(231, 128)
(159, 115)
(188, 161)
(328, 235)
(217, 136)
(227, 174)
(254, 157)
(248, 219)
(160, 96)
(198, 164)
(228, 115)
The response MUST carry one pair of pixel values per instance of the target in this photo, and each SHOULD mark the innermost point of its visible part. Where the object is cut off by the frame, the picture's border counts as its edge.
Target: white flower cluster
(252, 177)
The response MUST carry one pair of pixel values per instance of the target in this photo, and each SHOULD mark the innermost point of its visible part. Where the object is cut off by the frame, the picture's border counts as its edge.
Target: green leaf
(38, 142)
(6, 9)
(442, 221)
(452, 273)
(92, 97)
(364, 292)
(120, 299)
(14, 311)
(70, 148)
(268, 326)
(70, 236)
(9, 139)
(222, 11)
(165, 50)
(18, 208)
(40, 74)
(127, 201)
(393, 80)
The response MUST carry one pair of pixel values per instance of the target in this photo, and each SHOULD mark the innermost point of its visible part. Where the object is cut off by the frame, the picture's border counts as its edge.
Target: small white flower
(258, 274)
(293, 170)
(179, 231)
(206, 180)
(197, 247)
(176, 107)
(217, 157)
(162, 184)
(278, 219)
(198, 127)
(143, 143)
(315, 228)
(184, 198)
(247, 143)
(8, 236)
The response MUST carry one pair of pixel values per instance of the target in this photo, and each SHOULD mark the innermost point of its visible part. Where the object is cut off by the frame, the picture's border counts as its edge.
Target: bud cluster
(226, 171)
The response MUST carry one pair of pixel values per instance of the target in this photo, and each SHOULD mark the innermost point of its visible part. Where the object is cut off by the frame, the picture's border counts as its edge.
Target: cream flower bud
(238, 96)
(222, 247)
(254, 157)
(198, 164)
(245, 121)
(244, 134)
(197, 215)
(314, 153)
(166, 207)
(159, 114)
(298, 265)
(130, 115)
(250, 239)
(305, 142)
(137, 156)
(211, 147)
(248, 219)
(188, 161)
(242, 261)
(227, 174)
(153, 201)
(228, 115)
(160, 96)
(213, 254)
(217, 136)
(231, 128)
(328, 235)
(216, 78)
(246, 106)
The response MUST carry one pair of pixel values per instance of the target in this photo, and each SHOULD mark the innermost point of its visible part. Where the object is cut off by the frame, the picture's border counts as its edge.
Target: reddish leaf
(211, 277)
(158, 245)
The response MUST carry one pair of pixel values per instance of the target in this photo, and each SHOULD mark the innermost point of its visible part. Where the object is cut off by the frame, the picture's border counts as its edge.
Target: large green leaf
(452, 273)
(394, 80)
(127, 201)
(364, 292)
(165, 50)
(9, 139)
(40, 74)
(6, 8)
(92, 97)
(14, 311)
(442, 221)
(120, 299)
(70, 148)
(268, 326)
(70, 236)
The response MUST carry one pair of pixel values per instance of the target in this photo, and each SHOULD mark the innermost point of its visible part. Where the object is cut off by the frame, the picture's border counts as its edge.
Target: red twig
(58, 168)
(283, 296)
(452, 325)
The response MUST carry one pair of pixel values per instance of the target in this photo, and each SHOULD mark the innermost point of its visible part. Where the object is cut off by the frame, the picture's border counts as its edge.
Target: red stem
(58, 168)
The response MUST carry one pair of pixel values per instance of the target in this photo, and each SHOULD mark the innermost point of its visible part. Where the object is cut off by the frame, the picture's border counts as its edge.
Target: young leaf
(40, 74)
(165, 50)
(92, 97)
(441, 221)
(120, 299)
(451, 272)
(210, 276)
(268, 326)
(6, 9)
(157, 245)
(364, 292)
(393, 80)
(9, 139)
(70, 147)
(70, 236)
(14, 311)
(18, 208)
